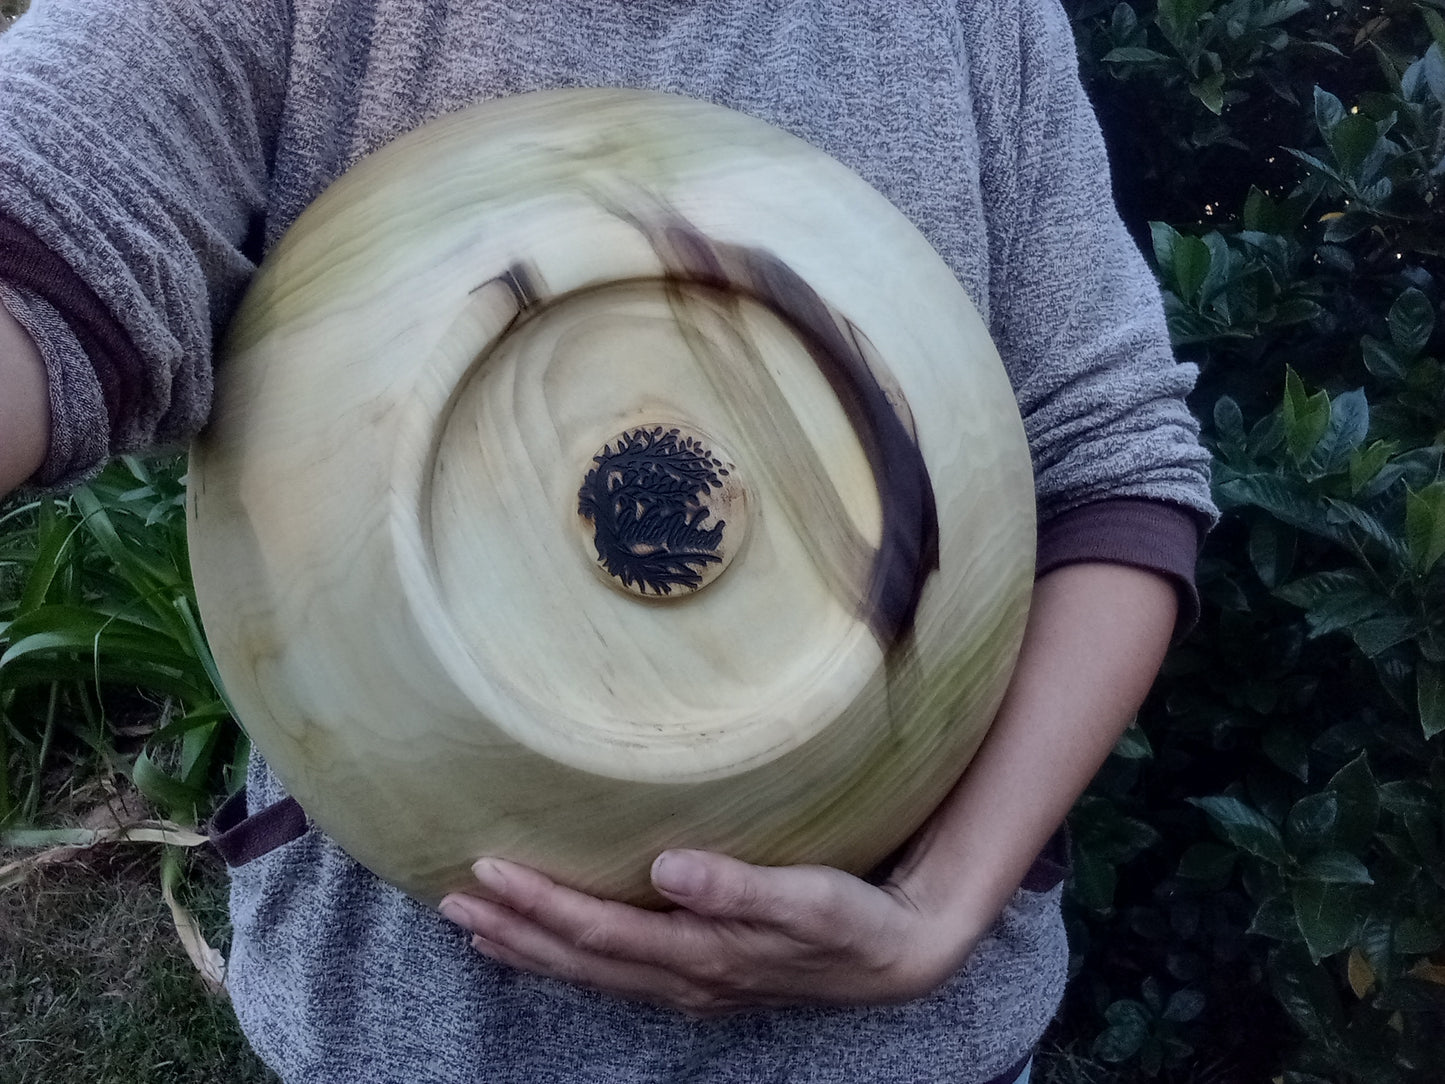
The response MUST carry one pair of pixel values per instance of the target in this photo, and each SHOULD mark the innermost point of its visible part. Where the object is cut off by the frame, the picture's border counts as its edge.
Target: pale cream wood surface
(405, 603)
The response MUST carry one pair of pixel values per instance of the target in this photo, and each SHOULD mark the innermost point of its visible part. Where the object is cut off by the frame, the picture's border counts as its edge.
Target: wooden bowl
(595, 472)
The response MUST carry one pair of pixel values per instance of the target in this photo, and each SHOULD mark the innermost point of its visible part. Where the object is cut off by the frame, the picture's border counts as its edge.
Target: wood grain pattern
(404, 603)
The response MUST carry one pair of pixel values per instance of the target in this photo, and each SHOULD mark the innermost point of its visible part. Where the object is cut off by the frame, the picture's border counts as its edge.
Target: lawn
(95, 985)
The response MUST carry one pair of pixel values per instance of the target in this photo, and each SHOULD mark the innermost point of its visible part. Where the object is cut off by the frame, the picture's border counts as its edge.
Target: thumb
(717, 886)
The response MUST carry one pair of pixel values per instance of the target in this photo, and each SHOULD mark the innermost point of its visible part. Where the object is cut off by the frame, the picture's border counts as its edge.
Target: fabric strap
(240, 838)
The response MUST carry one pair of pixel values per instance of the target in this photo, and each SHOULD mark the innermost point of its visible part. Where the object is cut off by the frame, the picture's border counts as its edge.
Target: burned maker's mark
(651, 497)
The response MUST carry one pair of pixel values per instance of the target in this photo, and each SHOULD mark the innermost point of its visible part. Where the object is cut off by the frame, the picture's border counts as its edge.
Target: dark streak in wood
(908, 552)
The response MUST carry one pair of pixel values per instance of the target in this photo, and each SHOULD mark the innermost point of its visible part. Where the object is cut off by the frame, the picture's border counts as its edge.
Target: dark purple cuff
(1152, 535)
(1053, 865)
(240, 838)
(25, 261)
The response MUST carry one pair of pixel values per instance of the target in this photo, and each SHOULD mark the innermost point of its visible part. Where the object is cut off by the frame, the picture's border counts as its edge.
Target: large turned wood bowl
(597, 472)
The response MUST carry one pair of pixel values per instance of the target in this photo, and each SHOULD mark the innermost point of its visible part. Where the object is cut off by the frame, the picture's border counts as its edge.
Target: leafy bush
(1261, 866)
(103, 656)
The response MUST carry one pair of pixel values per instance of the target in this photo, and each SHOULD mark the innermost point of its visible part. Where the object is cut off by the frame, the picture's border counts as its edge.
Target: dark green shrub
(1261, 867)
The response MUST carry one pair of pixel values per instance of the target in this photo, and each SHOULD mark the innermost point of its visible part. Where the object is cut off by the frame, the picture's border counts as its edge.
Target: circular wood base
(595, 472)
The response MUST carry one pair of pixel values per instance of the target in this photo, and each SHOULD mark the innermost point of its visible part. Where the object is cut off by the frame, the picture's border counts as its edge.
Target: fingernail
(678, 872)
(453, 912)
(489, 875)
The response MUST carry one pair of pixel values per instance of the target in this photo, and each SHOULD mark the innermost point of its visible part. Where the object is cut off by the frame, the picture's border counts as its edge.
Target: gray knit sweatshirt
(151, 151)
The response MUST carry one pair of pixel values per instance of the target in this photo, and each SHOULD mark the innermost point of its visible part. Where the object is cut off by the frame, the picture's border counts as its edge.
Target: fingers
(745, 936)
(803, 900)
(511, 939)
(700, 985)
(600, 927)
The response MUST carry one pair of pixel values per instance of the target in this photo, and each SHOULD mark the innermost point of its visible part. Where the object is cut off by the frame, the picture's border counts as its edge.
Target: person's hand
(746, 936)
(742, 937)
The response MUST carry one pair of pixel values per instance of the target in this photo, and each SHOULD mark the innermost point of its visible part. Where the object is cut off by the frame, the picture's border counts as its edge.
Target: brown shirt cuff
(1152, 535)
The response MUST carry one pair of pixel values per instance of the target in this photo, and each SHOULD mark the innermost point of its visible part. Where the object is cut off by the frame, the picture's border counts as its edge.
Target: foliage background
(1260, 881)
(1260, 869)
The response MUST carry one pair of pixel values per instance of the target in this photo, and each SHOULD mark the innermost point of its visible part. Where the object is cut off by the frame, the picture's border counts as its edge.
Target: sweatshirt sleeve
(1076, 313)
(135, 140)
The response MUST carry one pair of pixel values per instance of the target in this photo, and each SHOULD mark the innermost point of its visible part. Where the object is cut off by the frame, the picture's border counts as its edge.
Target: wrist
(960, 900)
(24, 405)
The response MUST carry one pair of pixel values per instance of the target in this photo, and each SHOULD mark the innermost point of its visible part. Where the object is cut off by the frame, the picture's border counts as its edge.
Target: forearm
(1096, 636)
(24, 405)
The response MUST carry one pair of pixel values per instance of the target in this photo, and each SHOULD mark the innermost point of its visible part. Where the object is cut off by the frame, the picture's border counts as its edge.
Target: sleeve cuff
(93, 366)
(79, 428)
(1148, 534)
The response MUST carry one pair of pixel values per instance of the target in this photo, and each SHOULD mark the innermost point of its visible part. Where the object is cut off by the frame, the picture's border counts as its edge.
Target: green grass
(94, 983)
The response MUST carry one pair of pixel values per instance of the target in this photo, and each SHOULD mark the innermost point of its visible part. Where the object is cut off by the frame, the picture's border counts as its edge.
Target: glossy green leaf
(1164, 238)
(1129, 1026)
(1348, 226)
(1367, 524)
(1328, 916)
(83, 632)
(1271, 551)
(1359, 798)
(1210, 91)
(1312, 821)
(1228, 421)
(1384, 360)
(1184, 1005)
(1274, 918)
(1349, 421)
(1277, 497)
(1328, 111)
(1344, 609)
(1411, 320)
(1178, 20)
(1123, 23)
(1366, 463)
(1425, 526)
(1379, 634)
(1374, 942)
(1244, 826)
(1334, 600)
(1355, 140)
(1306, 417)
(1337, 867)
(1430, 683)
(1133, 744)
(1191, 262)
(1320, 587)
(1259, 212)
(1296, 310)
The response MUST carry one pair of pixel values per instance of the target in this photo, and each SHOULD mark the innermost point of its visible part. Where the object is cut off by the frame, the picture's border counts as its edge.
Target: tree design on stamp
(648, 500)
